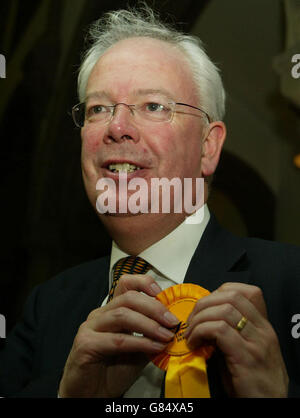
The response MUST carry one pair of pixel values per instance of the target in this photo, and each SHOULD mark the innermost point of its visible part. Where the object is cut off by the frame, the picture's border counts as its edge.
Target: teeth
(125, 167)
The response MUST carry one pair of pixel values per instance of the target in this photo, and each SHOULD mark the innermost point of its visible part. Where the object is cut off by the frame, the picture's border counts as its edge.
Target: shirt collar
(171, 255)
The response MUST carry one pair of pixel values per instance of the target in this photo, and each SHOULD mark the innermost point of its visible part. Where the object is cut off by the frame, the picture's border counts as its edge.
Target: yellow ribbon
(186, 375)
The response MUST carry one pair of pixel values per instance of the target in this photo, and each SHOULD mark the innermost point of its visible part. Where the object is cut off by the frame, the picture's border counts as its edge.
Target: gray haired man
(151, 105)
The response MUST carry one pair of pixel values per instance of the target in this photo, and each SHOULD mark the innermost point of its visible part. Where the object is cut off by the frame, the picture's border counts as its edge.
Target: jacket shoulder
(277, 253)
(88, 279)
(77, 276)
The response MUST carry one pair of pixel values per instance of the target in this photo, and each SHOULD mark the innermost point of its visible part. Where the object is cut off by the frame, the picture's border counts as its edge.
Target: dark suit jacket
(34, 354)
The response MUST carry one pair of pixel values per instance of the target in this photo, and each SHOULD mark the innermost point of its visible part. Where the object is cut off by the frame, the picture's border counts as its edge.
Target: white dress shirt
(169, 258)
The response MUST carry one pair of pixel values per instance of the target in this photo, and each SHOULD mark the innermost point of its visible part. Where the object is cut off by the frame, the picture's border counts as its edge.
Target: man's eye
(95, 110)
(154, 107)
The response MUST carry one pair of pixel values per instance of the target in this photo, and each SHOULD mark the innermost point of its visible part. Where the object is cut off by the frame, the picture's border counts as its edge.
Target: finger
(223, 336)
(138, 302)
(109, 344)
(234, 298)
(253, 293)
(123, 319)
(139, 282)
(225, 312)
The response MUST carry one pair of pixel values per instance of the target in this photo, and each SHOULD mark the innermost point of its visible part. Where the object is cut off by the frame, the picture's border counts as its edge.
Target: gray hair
(123, 24)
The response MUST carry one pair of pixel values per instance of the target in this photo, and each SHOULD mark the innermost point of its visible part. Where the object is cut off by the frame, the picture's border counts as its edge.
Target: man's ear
(212, 146)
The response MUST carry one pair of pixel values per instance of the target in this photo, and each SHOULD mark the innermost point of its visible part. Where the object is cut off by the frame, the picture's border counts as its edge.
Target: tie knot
(128, 265)
(131, 265)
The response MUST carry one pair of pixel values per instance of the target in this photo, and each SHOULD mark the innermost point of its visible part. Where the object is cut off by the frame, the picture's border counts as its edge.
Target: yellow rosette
(186, 375)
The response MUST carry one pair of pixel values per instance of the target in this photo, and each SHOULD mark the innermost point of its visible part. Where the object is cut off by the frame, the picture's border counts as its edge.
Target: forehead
(142, 64)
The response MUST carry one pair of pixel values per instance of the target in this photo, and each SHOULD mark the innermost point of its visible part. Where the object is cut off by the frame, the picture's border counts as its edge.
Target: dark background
(47, 224)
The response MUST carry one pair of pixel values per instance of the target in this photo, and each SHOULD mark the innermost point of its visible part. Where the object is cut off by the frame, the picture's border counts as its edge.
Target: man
(151, 107)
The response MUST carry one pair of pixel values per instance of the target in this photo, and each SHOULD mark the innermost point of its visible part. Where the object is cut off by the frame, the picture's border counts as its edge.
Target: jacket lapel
(219, 258)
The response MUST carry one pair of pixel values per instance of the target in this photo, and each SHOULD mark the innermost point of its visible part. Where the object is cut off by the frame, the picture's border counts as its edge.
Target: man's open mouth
(123, 168)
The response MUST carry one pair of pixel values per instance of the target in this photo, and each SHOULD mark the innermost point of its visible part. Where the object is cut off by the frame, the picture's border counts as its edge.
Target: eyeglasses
(144, 111)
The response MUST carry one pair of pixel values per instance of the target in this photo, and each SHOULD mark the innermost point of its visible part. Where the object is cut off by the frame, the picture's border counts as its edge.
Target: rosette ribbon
(186, 372)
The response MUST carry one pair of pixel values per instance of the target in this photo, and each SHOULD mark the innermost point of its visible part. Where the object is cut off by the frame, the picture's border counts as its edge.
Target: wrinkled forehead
(145, 47)
(142, 63)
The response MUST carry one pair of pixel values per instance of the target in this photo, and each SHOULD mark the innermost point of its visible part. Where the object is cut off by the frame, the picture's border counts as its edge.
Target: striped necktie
(128, 265)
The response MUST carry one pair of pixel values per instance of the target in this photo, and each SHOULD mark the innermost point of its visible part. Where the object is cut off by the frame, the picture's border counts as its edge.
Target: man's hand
(254, 366)
(106, 358)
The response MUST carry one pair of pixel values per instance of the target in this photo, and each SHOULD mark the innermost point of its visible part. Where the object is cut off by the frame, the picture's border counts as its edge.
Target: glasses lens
(158, 111)
(78, 113)
(99, 113)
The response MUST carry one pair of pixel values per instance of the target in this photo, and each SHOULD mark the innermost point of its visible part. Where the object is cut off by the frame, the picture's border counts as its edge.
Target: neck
(133, 234)
(136, 233)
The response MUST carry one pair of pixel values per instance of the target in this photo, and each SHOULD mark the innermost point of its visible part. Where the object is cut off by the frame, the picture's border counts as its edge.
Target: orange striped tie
(128, 265)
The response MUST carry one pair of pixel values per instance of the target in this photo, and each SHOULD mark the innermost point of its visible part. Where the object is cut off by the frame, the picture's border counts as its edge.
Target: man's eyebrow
(96, 95)
(139, 92)
(162, 91)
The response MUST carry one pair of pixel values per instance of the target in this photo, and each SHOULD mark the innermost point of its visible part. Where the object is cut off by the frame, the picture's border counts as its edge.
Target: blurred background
(47, 224)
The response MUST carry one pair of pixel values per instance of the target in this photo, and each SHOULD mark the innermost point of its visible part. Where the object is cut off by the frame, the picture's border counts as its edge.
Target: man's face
(132, 70)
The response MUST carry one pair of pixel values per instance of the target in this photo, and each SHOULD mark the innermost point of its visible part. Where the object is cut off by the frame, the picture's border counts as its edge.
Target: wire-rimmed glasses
(154, 111)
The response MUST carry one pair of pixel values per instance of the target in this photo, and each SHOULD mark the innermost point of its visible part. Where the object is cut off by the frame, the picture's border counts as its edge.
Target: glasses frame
(113, 107)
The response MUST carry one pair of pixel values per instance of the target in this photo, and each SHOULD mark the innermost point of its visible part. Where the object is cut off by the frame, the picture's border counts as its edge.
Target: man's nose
(121, 126)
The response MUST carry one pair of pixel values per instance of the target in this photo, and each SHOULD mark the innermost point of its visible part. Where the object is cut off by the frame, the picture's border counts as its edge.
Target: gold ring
(241, 324)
